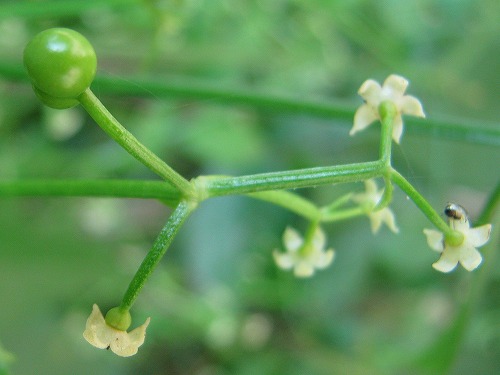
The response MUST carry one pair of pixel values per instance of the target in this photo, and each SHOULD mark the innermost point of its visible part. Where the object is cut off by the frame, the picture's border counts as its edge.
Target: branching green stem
(125, 139)
(294, 179)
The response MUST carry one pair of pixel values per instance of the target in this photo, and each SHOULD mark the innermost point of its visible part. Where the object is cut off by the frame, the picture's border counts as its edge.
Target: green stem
(290, 201)
(90, 188)
(292, 179)
(160, 246)
(135, 148)
(490, 207)
(388, 112)
(195, 89)
(347, 213)
(387, 195)
(421, 203)
(308, 247)
(339, 202)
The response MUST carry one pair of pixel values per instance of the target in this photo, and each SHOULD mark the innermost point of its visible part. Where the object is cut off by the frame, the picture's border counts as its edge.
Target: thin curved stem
(124, 138)
(344, 214)
(421, 202)
(292, 202)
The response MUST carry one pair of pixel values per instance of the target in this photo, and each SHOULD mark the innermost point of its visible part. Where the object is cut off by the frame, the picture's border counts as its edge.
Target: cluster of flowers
(305, 256)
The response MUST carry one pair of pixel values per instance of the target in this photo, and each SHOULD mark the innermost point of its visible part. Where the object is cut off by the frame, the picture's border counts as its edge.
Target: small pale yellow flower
(102, 336)
(303, 257)
(466, 253)
(370, 198)
(392, 90)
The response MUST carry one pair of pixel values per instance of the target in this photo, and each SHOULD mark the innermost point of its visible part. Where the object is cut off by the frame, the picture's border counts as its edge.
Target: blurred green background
(218, 304)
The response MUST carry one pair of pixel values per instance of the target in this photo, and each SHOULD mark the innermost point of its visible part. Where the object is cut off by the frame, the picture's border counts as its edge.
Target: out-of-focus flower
(99, 334)
(392, 90)
(303, 256)
(370, 198)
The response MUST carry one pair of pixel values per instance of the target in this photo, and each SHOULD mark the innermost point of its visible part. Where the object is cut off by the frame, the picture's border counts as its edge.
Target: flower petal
(292, 240)
(409, 105)
(394, 87)
(97, 333)
(363, 117)
(138, 335)
(434, 239)
(127, 344)
(462, 225)
(325, 259)
(319, 239)
(375, 221)
(448, 260)
(388, 218)
(303, 269)
(122, 346)
(371, 91)
(470, 258)
(397, 128)
(477, 237)
(372, 191)
(283, 260)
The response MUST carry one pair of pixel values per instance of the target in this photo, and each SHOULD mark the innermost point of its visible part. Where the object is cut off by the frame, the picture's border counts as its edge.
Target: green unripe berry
(61, 64)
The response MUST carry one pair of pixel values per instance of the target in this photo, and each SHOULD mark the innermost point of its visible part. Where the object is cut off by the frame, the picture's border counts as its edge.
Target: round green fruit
(61, 64)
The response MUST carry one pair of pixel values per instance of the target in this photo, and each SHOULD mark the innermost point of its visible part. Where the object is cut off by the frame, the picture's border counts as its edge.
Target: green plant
(61, 64)
(265, 290)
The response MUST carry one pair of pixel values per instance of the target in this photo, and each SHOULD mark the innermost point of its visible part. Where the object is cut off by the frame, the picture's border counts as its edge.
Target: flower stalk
(160, 246)
(125, 139)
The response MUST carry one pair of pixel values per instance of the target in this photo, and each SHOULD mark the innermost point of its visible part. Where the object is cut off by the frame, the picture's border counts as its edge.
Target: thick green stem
(135, 148)
(292, 179)
(160, 246)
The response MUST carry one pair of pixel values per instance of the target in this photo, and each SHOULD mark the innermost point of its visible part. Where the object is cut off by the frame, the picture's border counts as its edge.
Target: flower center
(455, 238)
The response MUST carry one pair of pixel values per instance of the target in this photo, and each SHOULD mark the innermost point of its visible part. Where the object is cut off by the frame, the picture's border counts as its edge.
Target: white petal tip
(443, 267)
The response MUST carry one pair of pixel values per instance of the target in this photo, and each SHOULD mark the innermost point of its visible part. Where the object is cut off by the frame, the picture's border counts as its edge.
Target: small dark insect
(455, 211)
(109, 346)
